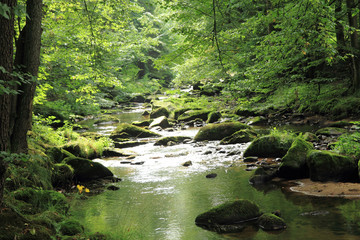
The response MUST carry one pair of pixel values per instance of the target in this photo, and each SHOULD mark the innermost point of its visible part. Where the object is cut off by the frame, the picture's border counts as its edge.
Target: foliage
(348, 144)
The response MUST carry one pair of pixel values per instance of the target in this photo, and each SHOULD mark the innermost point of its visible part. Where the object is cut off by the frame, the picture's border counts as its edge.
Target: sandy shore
(327, 189)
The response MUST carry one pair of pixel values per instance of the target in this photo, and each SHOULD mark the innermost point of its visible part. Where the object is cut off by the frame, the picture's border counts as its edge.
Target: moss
(229, 213)
(160, 122)
(242, 136)
(86, 170)
(144, 123)
(161, 111)
(131, 130)
(328, 166)
(258, 120)
(42, 200)
(71, 227)
(331, 131)
(262, 175)
(293, 164)
(219, 131)
(194, 114)
(57, 154)
(62, 176)
(244, 112)
(178, 112)
(164, 141)
(270, 146)
(213, 117)
(270, 222)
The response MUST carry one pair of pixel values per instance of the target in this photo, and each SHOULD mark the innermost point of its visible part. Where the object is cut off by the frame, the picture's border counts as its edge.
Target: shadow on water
(161, 199)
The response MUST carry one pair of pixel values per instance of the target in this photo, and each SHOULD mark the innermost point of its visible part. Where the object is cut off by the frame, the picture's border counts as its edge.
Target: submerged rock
(269, 146)
(294, 162)
(187, 164)
(263, 175)
(211, 175)
(86, 170)
(176, 139)
(231, 213)
(271, 222)
(132, 131)
(328, 166)
(219, 131)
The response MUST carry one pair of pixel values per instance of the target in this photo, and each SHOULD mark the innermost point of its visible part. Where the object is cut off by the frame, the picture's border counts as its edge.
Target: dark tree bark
(339, 28)
(354, 40)
(6, 61)
(27, 60)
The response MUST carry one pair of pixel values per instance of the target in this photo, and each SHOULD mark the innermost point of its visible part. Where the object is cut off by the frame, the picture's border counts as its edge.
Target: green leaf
(4, 10)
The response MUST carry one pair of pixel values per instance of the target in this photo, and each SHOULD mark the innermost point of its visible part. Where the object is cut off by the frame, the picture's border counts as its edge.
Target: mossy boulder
(263, 174)
(178, 112)
(160, 122)
(310, 137)
(125, 129)
(213, 117)
(87, 170)
(271, 222)
(161, 111)
(57, 154)
(62, 176)
(229, 213)
(194, 114)
(270, 146)
(138, 99)
(42, 200)
(293, 164)
(219, 131)
(331, 131)
(144, 123)
(176, 139)
(328, 166)
(242, 136)
(71, 227)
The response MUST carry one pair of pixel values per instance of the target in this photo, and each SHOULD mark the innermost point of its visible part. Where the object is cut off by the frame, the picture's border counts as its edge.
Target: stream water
(160, 199)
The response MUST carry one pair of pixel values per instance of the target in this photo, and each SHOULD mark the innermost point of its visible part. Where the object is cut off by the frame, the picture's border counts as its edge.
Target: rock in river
(235, 213)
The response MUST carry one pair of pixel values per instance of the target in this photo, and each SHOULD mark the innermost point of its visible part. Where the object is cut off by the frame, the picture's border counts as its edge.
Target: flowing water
(160, 199)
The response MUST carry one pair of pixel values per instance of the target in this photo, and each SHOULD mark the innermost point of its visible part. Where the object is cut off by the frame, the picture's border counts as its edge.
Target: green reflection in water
(167, 209)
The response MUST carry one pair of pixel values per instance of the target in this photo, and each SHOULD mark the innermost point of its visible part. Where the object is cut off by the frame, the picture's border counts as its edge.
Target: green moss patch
(242, 136)
(271, 222)
(164, 141)
(194, 114)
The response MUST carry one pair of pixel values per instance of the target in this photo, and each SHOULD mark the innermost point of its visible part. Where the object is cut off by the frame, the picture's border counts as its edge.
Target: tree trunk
(6, 62)
(28, 58)
(353, 23)
(339, 28)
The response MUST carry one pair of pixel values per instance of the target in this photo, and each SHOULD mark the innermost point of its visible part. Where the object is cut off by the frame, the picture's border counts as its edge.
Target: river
(160, 199)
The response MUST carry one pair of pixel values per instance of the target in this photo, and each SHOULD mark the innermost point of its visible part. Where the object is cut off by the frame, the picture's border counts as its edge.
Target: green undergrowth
(348, 144)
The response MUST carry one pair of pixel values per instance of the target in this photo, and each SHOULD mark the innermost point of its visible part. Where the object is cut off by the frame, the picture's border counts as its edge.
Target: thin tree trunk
(28, 58)
(353, 23)
(339, 28)
(6, 62)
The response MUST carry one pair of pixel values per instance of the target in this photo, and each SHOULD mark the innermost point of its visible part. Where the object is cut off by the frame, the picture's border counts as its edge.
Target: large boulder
(328, 166)
(230, 213)
(131, 131)
(293, 164)
(270, 146)
(242, 136)
(194, 114)
(87, 170)
(219, 131)
(161, 111)
(160, 122)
